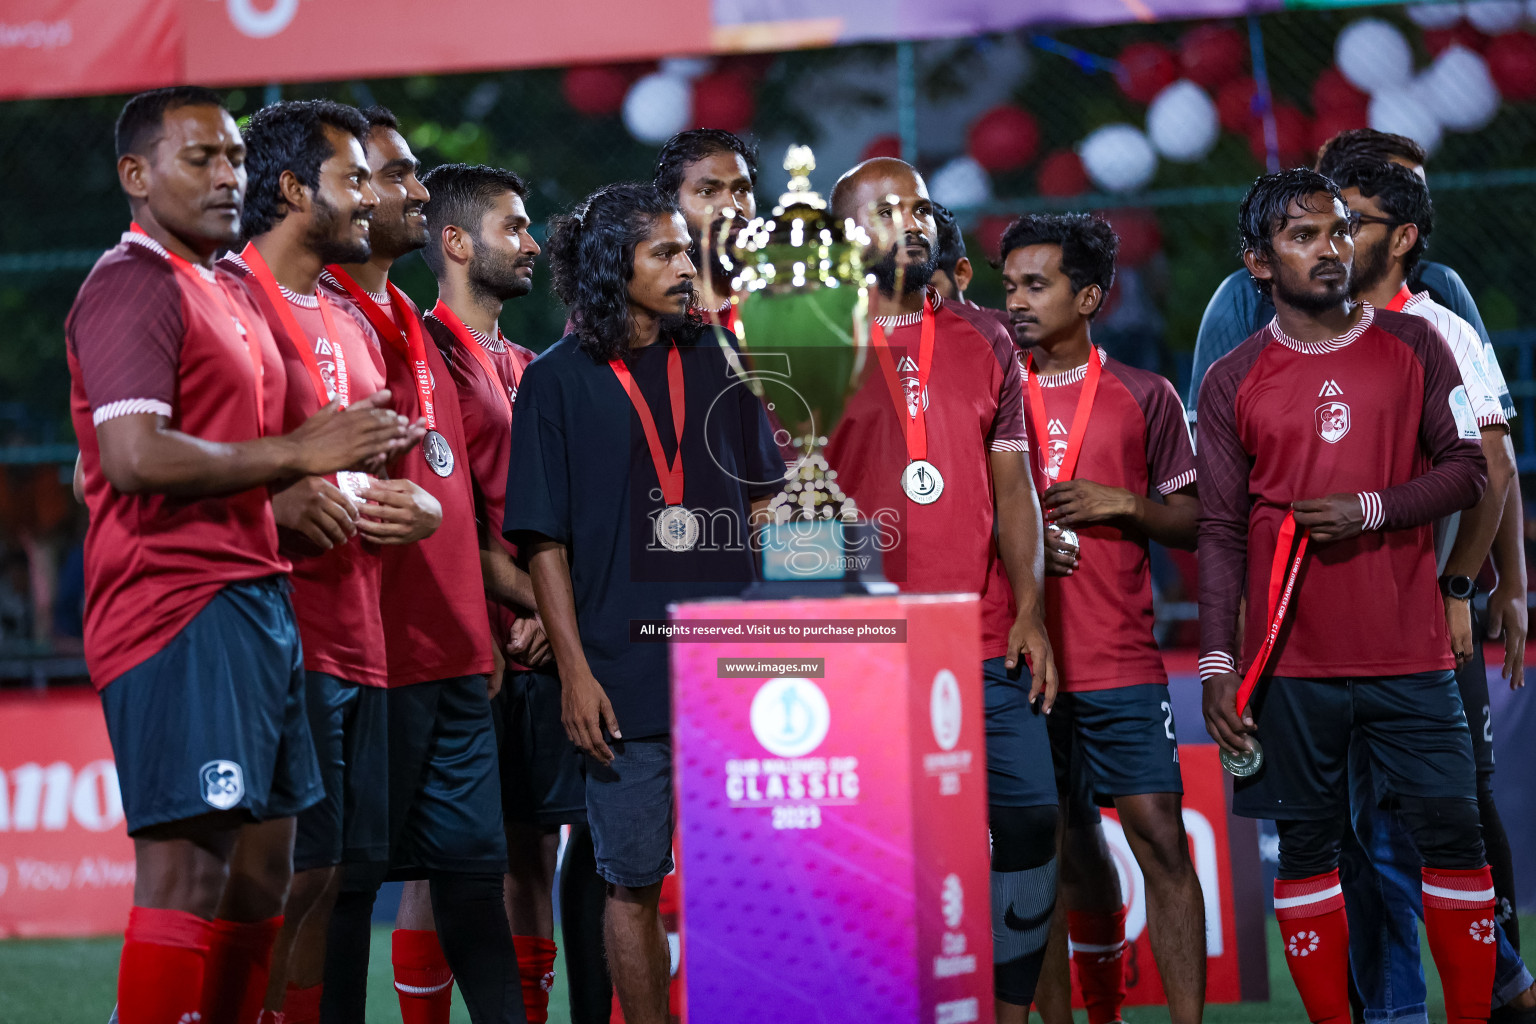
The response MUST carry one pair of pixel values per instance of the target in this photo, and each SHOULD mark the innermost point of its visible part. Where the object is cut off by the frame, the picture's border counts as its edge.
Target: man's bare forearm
(1480, 523)
(1509, 542)
(1172, 522)
(505, 582)
(145, 457)
(1019, 532)
(550, 570)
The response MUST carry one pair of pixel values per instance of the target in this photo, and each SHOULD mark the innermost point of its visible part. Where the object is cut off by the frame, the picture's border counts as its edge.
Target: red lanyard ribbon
(1282, 587)
(916, 431)
(449, 319)
(1079, 418)
(671, 478)
(1399, 300)
(218, 294)
(296, 336)
(402, 333)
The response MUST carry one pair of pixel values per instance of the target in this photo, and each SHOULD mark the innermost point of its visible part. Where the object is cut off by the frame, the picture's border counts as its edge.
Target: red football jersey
(335, 592)
(487, 430)
(1380, 412)
(142, 337)
(433, 596)
(973, 405)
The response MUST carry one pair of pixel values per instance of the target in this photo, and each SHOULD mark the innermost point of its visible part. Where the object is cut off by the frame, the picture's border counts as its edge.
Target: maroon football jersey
(142, 339)
(335, 592)
(1136, 440)
(973, 406)
(1380, 412)
(433, 598)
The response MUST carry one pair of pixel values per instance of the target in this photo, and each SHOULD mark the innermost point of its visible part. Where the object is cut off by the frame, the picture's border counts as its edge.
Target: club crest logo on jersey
(1052, 456)
(1461, 411)
(223, 784)
(1330, 389)
(1332, 421)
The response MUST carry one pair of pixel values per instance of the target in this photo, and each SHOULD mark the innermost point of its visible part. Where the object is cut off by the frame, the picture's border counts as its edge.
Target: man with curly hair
(617, 473)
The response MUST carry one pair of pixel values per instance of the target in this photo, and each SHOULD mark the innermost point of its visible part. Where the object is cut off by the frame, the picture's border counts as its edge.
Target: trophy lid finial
(799, 161)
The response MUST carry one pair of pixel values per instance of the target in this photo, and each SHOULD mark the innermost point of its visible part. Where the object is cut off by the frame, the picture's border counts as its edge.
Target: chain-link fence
(1177, 219)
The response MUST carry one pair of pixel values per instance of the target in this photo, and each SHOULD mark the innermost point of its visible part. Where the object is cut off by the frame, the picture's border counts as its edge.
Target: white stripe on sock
(1463, 895)
(422, 990)
(1286, 902)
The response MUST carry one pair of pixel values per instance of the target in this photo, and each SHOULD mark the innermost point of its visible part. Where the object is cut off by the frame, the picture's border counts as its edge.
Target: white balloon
(961, 182)
(1182, 122)
(687, 67)
(1496, 17)
(1433, 15)
(1401, 112)
(1118, 158)
(658, 106)
(1458, 90)
(1530, 10)
(1373, 55)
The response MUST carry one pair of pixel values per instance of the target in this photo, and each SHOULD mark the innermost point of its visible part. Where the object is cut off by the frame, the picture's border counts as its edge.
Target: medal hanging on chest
(921, 480)
(1052, 470)
(677, 529)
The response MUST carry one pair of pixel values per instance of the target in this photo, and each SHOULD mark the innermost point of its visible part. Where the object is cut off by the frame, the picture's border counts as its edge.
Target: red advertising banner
(66, 862)
(70, 47)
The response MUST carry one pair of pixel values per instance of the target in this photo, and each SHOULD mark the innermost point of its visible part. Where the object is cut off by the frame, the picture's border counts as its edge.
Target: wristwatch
(1459, 587)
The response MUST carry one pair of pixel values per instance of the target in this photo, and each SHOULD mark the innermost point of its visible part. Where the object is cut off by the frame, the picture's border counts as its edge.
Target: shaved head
(865, 178)
(888, 199)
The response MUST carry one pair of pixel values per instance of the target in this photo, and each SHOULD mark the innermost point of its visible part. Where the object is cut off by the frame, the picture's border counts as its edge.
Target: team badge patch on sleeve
(1466, 419)
(223, 784)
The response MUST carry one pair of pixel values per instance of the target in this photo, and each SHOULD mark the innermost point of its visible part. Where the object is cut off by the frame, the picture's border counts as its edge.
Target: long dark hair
(592, 259)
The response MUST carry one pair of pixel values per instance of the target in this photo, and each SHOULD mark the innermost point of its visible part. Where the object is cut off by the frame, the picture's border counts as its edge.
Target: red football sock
(1458, 920)
(1316, 938)
(423, 980)
(239, 962)
(1098, 950)
(536, 965)
(160, 975)
(302, 1005)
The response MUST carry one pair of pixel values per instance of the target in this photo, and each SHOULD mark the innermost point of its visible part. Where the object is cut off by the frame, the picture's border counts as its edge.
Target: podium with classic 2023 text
(832, 832)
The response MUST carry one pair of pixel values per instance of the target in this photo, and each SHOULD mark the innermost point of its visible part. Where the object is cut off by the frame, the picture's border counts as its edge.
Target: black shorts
(215, 720)
(1472, 681)
(444, 785)
(350, 725)
(1019, 772)
(1118, 742)
(541, 770)
(1413, 728)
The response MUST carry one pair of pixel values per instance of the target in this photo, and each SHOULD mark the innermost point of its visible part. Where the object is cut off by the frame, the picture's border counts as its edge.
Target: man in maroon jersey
(1350, 427)
(482, 254)
(1114, 466)
(957, 475)
(311, 203)
(176, 387)
(444, 789)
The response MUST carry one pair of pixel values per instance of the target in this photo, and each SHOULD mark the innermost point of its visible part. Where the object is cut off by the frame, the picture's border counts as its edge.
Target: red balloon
(1061, 174)
(1437, 40)
(1234, 105)
(1512, 63)
(1212, 55)
(882, 145)
(989, 233)
(1332, 91)
(1293, 133)
(1337, 119)
(751, 67)
(1146, 69)
(595, 89)
(722, 100)
(1140, 237)
(1003, 139)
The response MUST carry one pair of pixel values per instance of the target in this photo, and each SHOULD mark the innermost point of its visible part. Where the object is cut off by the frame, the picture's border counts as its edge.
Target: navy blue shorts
(541, 781)
(215, 720)
(1472, 681)
(1118, 742)
(444, 784)
(1019, 771)
(1413, 728)
(350, 725)
(629, 808)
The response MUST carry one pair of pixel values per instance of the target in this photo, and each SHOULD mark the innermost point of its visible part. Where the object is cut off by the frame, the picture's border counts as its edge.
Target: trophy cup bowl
(803, 335)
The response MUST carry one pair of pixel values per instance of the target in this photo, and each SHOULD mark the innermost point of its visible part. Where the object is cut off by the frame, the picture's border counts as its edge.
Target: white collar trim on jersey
(490, 344)
(135, 238)
(1065, 377)
(302, 301)
(1332, 344)
(379, 298)
(910, 319)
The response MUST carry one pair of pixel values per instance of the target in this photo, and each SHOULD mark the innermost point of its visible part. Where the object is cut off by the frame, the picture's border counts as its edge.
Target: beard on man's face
(391, 234)
(1371, 265)
(330, 235)
(493, 272)
(914, 276)
(1305, 295)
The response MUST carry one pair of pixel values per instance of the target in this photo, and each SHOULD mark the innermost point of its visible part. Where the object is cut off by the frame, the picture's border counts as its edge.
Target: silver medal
(921, 482)
(677, 529)
(1244, 764)
(438, 453)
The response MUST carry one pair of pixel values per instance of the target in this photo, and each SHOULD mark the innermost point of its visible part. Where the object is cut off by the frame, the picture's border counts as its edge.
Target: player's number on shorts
(1487, 723)
(1168, 729)
(797, 816)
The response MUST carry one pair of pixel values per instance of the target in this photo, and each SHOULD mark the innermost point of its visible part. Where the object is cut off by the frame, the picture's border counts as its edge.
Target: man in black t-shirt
(638, 460)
